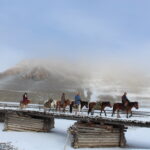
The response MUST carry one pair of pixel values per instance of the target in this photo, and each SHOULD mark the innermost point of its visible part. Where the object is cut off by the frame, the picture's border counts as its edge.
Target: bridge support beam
(21, 122)
(93, 135)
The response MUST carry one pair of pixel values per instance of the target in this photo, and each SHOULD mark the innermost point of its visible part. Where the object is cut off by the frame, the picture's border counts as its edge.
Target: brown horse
(91, 107)
(100, 105)
(103, 105)
(24, 103)
(127, 109)
(59, 105)
(83, 103)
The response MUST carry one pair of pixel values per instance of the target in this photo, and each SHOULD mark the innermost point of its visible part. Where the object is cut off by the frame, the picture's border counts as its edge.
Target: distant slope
(40, 79)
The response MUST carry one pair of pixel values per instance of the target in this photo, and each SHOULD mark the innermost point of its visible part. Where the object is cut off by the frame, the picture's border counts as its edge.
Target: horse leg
(49, 109)
(81, 106)
(127, 115)
(56, 108)
(89, 111)
(130, 113)
(64, 108)
(113, 112)
(105, 113)
(101, 112)
(21, 106)
(92, 111)
(127, 111)
(44, 109)
(71, 108)
(118, 116)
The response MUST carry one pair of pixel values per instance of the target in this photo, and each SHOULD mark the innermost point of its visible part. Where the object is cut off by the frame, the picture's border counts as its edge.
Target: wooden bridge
(36, 110)
(88, 131)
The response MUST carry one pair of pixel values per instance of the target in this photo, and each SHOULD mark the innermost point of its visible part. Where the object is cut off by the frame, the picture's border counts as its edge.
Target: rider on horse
(125, 100)
(63, 98)
(25, 98)
(77, 102)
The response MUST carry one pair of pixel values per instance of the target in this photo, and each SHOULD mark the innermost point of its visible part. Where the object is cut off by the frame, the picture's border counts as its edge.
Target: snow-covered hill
(49, 78)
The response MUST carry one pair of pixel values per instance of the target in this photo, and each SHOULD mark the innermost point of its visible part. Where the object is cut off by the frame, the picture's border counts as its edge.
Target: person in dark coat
(25, 97)
(63, 98)
(125, 100)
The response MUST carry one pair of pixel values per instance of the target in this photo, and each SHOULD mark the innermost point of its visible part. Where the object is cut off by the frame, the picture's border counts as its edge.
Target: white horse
(50, 104)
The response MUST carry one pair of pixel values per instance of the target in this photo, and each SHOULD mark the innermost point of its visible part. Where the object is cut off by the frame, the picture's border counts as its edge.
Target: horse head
(50, 100)
(136, 105)
(86, 104)
(108, 104)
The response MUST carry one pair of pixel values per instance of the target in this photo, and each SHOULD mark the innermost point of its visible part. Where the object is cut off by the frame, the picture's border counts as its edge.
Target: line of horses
(58, 106)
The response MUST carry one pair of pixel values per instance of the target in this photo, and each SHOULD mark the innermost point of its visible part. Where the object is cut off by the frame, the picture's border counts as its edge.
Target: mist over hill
(44, 78)
(41, 78)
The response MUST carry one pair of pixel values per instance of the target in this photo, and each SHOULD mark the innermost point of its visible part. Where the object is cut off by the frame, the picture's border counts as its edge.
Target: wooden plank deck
(103, 120)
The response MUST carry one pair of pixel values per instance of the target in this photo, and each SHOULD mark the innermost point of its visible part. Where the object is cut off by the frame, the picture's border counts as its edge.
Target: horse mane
(106, 102)
(48, 100)
(133, 102)
(84, 102)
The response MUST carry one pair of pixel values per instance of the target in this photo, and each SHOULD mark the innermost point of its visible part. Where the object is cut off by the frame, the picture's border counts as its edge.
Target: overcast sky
(86, 30)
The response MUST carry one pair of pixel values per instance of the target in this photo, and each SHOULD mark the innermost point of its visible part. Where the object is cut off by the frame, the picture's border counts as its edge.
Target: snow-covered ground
(137, 138)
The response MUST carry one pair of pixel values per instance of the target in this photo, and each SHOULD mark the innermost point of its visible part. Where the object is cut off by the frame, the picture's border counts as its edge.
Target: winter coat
(77, 100)
(63, 99)
(124, 99)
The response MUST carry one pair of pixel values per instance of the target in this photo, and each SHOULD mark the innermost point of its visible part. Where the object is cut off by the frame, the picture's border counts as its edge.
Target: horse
(101, 106)
(49, 104)
(24, 103)
(59, 105)
(127, 108)
(83, 103)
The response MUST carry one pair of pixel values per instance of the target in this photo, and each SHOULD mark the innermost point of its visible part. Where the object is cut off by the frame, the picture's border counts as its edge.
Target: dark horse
(83, 103)
(127, 109)
(100, 105)
(59, 105)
